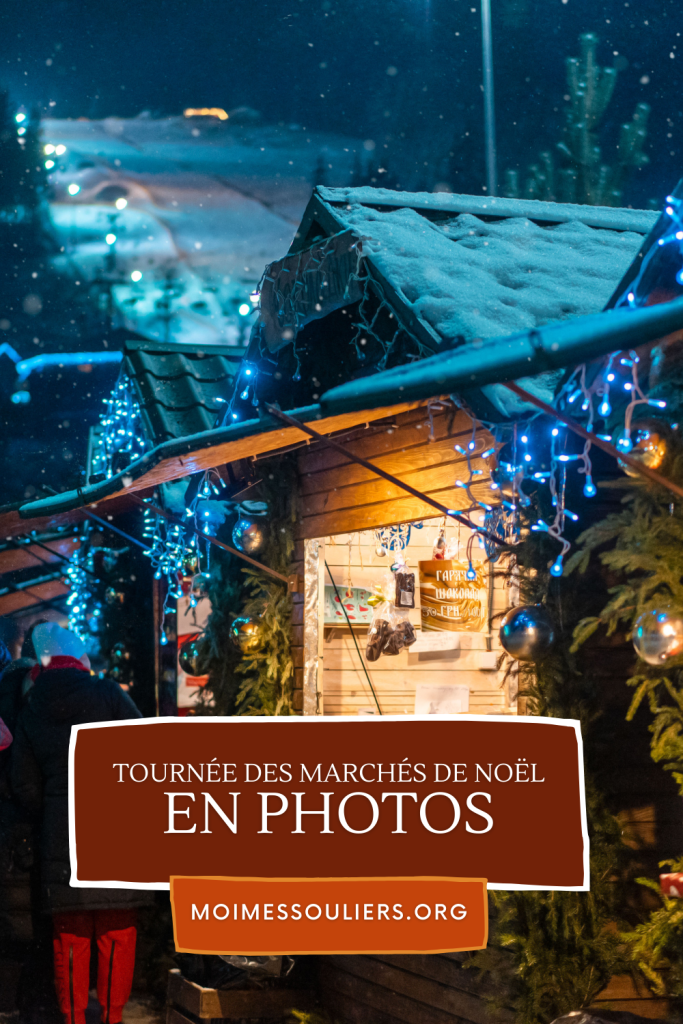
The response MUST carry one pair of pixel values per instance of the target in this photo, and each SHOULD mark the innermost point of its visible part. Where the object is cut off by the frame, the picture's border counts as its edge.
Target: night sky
(372, 69)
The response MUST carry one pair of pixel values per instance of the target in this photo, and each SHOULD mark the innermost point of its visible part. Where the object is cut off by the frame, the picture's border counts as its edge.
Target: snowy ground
(208, 204)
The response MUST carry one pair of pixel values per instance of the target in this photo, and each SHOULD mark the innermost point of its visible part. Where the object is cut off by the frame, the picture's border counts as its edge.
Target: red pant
(115, 933)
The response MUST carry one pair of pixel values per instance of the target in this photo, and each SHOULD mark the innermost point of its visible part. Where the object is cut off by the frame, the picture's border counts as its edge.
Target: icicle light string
(121, 427)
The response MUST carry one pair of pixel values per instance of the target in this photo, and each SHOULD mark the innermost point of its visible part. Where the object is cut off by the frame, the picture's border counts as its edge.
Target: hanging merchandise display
(250, 531)
(391, 630)
(389, 635)
(394, 538)
(658, 635)
(439, 551)
(190, 656)
(527, 633)
(405, 589)
(244, 633)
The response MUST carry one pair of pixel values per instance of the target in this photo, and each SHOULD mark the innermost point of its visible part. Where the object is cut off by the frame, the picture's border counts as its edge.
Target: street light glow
(60, 150)
(136, 275)
(244, 309)
(121, 203)
(73, 189)
(19, 118)
(110, 239)
(48, 149)
(49, 164)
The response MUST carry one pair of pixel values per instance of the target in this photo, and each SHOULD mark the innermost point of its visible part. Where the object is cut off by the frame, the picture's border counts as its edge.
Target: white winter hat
(50, 639)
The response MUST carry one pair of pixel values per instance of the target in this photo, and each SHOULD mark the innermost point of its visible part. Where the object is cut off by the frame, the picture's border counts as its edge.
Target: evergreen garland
(550, 953)
(642, 547)
(258, 682)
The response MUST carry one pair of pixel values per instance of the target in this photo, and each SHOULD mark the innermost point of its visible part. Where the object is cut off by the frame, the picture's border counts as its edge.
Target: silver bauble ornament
(249, 534)
(527, 633)
(189, 657)
(658, 635)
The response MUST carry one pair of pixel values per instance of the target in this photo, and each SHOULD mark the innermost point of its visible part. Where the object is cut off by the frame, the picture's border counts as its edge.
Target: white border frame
(367, 720)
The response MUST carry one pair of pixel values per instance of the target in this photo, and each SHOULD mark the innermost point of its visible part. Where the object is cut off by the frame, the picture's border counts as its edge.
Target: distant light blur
(206, 112)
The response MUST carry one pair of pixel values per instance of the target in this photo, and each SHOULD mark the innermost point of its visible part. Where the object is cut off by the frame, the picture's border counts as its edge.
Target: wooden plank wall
(410, 989)
(352, 557)
(339, 496)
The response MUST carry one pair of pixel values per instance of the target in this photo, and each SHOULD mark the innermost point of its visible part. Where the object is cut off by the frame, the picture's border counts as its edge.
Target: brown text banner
(455, 796)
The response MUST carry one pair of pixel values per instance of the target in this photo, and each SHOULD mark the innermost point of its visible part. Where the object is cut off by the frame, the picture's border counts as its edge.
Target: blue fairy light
(471, 574)
(589, 488)
(556, 569)
(605, 408)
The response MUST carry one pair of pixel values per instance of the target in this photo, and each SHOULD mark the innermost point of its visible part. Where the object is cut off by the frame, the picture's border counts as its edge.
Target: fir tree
(642, 549)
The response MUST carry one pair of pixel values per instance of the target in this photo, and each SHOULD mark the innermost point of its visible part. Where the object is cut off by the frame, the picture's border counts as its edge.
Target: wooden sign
(449, 600)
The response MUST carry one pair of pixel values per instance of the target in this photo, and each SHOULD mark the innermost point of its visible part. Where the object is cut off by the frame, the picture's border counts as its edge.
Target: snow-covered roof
(468, 267)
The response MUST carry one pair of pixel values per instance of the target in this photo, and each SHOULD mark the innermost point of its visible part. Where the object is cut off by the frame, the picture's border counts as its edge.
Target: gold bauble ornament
(649, 448)
(244, 633)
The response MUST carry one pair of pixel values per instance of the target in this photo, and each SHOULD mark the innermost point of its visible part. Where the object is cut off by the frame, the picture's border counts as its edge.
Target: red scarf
(58, 661)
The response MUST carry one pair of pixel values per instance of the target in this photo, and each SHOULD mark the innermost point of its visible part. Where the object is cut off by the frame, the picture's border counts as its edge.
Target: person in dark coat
(66, 694)
(17, 933)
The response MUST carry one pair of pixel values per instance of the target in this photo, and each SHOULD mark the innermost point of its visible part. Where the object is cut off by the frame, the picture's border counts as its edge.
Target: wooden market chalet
(392, 326)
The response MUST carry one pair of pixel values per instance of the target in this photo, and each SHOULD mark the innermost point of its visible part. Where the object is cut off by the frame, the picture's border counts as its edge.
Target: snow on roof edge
(614, 218)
